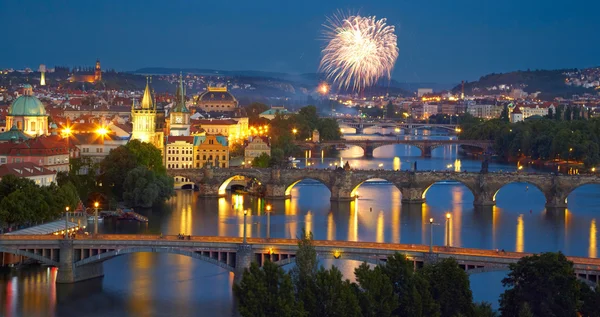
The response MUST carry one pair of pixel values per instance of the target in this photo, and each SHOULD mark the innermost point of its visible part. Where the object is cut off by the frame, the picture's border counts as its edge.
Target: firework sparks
(359, 51)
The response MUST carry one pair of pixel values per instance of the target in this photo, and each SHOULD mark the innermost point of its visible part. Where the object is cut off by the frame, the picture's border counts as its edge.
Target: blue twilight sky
(440, 41)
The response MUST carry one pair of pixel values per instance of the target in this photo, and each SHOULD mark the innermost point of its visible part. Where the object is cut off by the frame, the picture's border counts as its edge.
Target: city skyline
(439, 42)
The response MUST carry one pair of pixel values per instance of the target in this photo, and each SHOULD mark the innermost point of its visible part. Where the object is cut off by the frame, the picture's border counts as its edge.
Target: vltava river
(146, 284)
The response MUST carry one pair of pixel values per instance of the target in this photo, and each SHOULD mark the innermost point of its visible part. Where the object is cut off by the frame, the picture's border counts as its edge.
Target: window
(204, 157)
(32, 126)
(3, 160)
(223, 159)
(223, 165)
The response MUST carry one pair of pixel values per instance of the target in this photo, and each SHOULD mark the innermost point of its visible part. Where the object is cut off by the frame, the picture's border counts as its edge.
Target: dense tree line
(543, 139)
(538, 285)
(22, 202)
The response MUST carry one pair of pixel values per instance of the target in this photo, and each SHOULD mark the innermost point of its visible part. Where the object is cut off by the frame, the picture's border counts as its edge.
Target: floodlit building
(217, 99)
(146, 127)
(179, 116)
(255, 147)
(28, 114)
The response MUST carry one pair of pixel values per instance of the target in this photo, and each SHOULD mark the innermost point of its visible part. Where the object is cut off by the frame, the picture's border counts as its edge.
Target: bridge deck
(374, 248)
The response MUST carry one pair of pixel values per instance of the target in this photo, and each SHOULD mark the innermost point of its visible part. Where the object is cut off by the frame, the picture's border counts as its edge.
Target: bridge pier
(68, 272)
(556, 202)
(243, 259)
(341, 194)
(483, 200)
(368, 151)
(412, 195)
(276, 191)
(426, 151)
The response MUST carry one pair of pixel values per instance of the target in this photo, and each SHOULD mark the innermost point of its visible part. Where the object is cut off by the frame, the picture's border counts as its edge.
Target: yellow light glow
(448, 215)
(323, 88)
(294, 131)
(268, 207)
(337, 254)
(96, 204)
(593, 169)
(67, 131)
(102, 131)
(520, 167)
(271, 251)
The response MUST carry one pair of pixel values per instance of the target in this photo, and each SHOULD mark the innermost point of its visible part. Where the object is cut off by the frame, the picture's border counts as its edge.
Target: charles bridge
(343, 184)
(82, 258)
(426, 146)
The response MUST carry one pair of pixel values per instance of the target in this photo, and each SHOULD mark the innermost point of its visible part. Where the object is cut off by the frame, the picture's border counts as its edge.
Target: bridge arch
(30, 255)
(449, 178)
(115, 253)
(533, 184)
(183, 182)
(396, 145)
(355, 186)
(237, 177)
(290, 186)
(594, 183)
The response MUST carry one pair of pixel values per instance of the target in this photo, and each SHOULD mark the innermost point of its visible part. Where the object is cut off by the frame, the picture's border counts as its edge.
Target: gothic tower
(179, 116)
(144, 122)
(97, 71)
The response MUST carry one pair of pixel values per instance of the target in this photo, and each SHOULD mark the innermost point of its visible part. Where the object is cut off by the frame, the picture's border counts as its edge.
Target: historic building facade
(217, 99)
(146, 127)
(28, 114)
(179, 116)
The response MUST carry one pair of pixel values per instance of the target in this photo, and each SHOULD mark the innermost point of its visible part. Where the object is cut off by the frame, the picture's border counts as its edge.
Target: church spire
(147, 102)
(180, 97)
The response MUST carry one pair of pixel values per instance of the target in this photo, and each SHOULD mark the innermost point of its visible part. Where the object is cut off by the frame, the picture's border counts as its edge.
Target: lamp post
(569, 157)
(430, 235)
(66, 221)
(245, 213)
(268, 207)
(67, 132)
(96, 204)
(448, 229)
(294, 131)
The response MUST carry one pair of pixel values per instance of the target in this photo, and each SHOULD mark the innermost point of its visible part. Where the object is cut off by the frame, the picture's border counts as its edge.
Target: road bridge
(343, 185)
(361, 125)
(81, 258)
(426, 146)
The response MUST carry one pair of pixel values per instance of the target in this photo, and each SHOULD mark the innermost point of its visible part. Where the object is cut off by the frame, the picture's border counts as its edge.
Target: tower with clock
(179, 116)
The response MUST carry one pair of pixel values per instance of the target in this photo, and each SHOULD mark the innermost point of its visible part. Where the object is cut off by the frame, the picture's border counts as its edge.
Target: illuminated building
(179, 116)
(40, 175)
(236, 128)
(211, 150)
(146, 127)
(179, 152)
(28, 114)
(516, 115)
(88, 76)
(255, 147)
(42, 75)
(217, 99)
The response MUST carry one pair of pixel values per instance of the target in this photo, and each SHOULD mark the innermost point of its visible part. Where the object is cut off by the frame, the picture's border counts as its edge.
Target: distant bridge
(82, 258)
(343, 185)
(426, 146)
(361, 125)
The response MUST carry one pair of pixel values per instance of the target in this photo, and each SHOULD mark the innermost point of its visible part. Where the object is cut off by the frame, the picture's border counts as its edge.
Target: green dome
(27, 105)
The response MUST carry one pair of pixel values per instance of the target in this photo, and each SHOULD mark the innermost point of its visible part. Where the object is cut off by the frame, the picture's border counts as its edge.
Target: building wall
(255, 148)
(179, 155)
(211, 153)
(34, 125)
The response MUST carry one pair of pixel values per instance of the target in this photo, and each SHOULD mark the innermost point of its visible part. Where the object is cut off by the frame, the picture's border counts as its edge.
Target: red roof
(172, 139)
(214, 122)
(24, 169)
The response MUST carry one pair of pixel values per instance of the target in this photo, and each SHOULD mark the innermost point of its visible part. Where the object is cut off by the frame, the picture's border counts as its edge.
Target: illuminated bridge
(426, 146)
(361, 125)
(343, 185)
(82, 258)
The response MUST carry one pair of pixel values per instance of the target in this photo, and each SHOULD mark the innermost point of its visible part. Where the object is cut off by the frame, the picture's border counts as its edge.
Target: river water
(146, 284)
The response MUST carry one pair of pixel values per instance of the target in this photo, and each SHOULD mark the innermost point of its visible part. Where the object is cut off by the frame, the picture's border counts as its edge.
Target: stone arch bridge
(426, 146)
(343, 185)
(82, 258)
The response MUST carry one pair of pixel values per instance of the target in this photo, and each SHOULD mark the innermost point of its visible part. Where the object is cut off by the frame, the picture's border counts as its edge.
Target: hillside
(550, 83)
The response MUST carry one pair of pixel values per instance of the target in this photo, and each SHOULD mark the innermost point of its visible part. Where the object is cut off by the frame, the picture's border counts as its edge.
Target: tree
(450, 288)
(254, 110)
(550, 113)
(412, 289)
(143, 188)
(376, 293)
(545, 282)
(329, 129)
(113, 169)
(504, 114)
(147, 155)
(590, 299)
(484, 309)
(266, 292)
(335, 297)
(237, 150)
(304, 272)
(263, 160)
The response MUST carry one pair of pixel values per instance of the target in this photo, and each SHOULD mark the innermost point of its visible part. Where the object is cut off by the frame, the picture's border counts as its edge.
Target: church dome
(27, 105)
(216, 94)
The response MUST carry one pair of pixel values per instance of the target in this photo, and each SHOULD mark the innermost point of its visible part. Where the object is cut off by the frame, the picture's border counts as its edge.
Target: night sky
(440, 41)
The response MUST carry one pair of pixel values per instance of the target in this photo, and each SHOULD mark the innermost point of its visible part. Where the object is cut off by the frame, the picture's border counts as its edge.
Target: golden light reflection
(330, 226)
(185, 222)
(309, 222)
(457, 165)
(291, 207)
(567, 221)
(397, 164)
(520, 245)
(396, 210)
(353, 221)
(457, 203)
(593, 252)
(495, 211)
(223, 214)
(424, 224)
(380, 227)
(141, 282)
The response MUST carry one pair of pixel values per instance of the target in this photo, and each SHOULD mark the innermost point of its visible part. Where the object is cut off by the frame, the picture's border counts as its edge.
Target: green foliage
(253, 112)
(329, 129)
(376, 293)
(82, 174)
(263, 161)
(590, 300)
(237, 150)
(545, 282)
(304, 272)
(277, 157)
(450, 288)
(266, 291)
(147, 155)
(144, 188)
(484, 309)
(412, 289)
(22, 202)
(335, 297)
(541, 139)
(113, 169)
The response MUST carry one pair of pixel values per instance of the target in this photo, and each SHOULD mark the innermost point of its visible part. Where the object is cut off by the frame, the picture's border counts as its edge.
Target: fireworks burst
(359, 51)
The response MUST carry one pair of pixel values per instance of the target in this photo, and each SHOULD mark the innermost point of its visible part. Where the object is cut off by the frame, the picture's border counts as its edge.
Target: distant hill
(550, 83)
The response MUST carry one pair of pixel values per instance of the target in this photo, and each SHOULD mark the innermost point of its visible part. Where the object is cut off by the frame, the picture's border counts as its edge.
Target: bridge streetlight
(66, 221)
(268, 207)
(245, 213)
(96, 205)
(448, 229)
(430, 235)
(569, 157)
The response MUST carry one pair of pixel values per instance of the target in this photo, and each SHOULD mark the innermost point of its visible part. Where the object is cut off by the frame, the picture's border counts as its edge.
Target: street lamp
(430, 235)
(569, 157)
(66, 221)
(245, 213)
(67, 131)
(96, 205)
(448, 229)
(268, 207)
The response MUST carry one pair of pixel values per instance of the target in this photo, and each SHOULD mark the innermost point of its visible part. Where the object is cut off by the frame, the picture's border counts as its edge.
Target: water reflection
(520, 245)
(593, 252)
